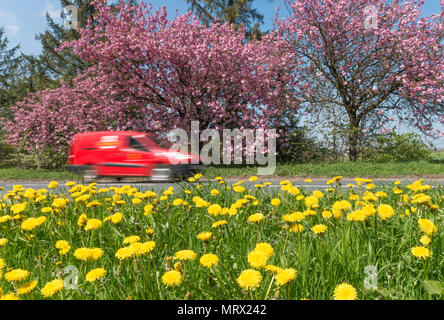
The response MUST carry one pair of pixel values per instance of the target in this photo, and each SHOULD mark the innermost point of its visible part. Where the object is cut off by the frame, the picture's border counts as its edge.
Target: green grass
(432, 168)
(341, 254)
(439, 155)
(34, 174)
(346, 169)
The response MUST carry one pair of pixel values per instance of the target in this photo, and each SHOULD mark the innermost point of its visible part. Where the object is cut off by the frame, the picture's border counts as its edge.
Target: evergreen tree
(236, 12)
(9, 63)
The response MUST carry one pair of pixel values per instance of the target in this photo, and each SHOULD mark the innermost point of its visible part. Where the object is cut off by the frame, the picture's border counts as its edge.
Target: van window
(135, 144)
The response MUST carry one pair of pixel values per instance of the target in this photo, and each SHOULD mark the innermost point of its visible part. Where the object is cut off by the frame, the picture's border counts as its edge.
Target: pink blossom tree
(375, 57)
(152, 74)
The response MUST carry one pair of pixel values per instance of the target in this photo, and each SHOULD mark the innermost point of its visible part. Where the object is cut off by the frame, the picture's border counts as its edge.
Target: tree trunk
(353, 134)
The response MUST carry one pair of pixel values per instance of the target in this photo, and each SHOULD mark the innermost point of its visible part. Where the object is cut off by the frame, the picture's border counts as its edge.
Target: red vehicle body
(127, 154)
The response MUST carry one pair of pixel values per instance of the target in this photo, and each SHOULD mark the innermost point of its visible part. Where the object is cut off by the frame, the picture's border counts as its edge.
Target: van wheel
(89, 175)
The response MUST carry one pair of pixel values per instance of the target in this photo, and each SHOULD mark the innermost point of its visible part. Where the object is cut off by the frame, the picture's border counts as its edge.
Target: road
(143, 186)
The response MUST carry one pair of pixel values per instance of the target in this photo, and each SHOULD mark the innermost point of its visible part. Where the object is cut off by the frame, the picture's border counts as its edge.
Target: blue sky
(23, 19)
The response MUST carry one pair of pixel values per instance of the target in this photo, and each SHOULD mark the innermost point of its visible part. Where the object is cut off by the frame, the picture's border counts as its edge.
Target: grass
(439, 155)
(432, 168)
(347, 169)
(35, 174)
(322, 261)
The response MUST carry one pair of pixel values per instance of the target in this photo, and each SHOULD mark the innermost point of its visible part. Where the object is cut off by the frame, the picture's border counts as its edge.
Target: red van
(127, 154)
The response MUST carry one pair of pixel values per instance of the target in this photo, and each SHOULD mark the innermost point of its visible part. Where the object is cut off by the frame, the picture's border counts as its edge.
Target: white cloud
(51, 10)
(9, 21)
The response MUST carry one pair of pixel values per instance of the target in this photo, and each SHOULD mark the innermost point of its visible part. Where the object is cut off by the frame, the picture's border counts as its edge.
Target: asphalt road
(143, 186)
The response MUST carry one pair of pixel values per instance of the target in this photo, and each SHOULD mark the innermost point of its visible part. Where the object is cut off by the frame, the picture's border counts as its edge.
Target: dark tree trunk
(353, 134)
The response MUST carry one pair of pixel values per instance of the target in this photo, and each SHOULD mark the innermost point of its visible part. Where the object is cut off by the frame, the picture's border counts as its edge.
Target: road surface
(143, 186)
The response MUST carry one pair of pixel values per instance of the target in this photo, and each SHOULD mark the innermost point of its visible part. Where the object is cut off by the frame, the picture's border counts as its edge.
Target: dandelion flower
(209, 260)
(185, 255)
(219, 223)
(256, 218)
(115, 218)
(9, 296)
(272, 268)
(172, 278)
(257, 258)
(214, 209)
(204, 236)
(319, 228)
(3, 241)
(52, 287)
(131, 239)
(86, 254)
(427, 226)
(275, 202)
(93, 224)
(296, 228)
(63, 246)
(27, 287)
(53, 184)
(82, 220)
(421, 252)
(385, 211)
(16, 275)
(285, 275)
(425, 240)
(124, 253)
(265, 248)
(95, 274)
(249, 279)
(345, 291)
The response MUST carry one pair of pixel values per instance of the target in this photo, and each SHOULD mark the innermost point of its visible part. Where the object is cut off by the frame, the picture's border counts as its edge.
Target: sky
(23, 19)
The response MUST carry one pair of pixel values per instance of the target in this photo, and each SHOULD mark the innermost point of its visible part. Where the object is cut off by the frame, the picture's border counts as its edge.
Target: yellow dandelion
(256, 218)
(421, 252)
(185, 255)
(16, 275)
(63, 246)
(95, 274)
(93, 224)
(204, 236)
(27, 287)
(285, 275)
(209, 260)
(125, 253)
(249, 279)
(385, 211)
(345, 291)
(52, 287)
(257, 259)
(172, 278)
(219, 223)
(131, 239)
(319, 228)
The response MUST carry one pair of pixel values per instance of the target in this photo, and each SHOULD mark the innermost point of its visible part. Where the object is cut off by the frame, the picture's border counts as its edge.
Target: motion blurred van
(128, 154)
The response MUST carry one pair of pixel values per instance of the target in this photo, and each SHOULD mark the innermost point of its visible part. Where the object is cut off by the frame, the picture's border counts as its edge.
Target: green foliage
(301, 149)
(9, 63)
(397, 147)
(236, 12)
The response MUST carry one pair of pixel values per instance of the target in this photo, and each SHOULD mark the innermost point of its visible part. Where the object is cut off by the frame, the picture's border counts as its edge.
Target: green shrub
(397, 147)
(301, 149)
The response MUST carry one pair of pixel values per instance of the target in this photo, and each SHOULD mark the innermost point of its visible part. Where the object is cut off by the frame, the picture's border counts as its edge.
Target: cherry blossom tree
(379, 57)
(153, 74)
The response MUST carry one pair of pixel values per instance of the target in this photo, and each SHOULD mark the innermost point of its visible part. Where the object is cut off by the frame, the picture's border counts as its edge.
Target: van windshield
(148, 142)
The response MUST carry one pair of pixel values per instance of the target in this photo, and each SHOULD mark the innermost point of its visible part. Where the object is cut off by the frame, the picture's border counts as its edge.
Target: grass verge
(432, 168)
